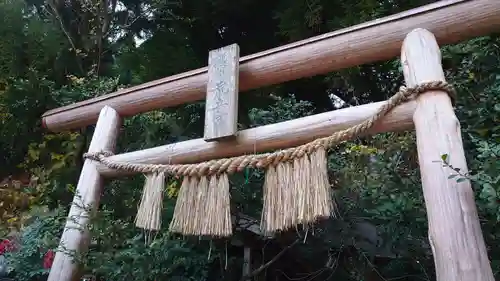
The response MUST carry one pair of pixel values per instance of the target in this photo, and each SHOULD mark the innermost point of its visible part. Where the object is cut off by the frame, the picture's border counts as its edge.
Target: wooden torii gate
(454, 230)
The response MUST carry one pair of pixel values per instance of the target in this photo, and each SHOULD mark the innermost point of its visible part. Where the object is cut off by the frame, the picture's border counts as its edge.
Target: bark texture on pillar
(75, 237)
(454, 230)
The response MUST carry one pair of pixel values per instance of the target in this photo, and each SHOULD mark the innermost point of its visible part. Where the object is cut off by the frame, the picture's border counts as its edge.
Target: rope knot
(96, 156)
(431, 86)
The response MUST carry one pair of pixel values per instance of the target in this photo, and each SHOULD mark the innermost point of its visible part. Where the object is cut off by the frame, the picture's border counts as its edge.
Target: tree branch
(269, 263)
(56, 14)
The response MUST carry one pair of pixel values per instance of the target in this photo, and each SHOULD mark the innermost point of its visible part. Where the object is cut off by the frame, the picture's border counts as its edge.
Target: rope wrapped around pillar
(296, 188)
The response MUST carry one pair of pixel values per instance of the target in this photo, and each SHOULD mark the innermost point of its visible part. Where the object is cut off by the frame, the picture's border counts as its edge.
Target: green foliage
(36, 239)
(474, 68)
(21, 126)
(82, 88)
(57, 55)
(120, 252)
(283, 109)
(164, 259)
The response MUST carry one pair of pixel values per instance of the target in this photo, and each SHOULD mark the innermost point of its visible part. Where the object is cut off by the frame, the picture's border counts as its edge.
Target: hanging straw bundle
(151, 205)
(296, 192)
(203, 207)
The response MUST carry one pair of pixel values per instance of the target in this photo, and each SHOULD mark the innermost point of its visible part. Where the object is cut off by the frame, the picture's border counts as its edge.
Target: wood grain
(221, 106)
(270, 137)
(451, 21)
(75, 236)
(454, 230)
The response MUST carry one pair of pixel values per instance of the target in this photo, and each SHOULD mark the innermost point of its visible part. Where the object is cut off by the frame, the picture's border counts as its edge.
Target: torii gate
(454, 229)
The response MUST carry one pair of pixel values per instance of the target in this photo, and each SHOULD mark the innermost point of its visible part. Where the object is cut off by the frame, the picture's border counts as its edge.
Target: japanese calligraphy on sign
(221, 109)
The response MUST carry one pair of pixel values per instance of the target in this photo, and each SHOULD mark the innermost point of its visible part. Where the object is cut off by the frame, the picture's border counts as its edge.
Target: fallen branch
(269, 263)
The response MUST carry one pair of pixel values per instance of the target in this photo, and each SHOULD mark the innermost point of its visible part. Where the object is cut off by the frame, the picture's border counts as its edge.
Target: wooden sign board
(221, 108)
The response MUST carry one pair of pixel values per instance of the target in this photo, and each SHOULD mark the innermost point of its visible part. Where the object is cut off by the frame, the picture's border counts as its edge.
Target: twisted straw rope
(234, 164)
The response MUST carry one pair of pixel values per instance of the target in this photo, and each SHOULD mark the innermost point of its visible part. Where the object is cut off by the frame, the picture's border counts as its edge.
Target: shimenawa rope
(296, 188)
(237, 164)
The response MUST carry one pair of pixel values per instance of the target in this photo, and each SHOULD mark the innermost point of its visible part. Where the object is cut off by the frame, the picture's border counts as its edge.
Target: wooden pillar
(247, 261)
(454, 230)
(87, 196)
(221, 107)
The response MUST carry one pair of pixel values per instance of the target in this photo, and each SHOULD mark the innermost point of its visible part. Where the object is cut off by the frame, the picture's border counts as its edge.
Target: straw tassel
(278, 209)
(180, 217)
(296, 193)
(151, 205)
(285, 180)
(203, 207)
(197, 219)
(270, 195)
(218, 208)
(323, 201)
(302, 190)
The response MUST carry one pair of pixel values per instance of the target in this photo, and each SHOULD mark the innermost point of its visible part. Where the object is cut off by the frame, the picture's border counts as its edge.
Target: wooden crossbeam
(269, 137)
(451, 21)
(221, 107)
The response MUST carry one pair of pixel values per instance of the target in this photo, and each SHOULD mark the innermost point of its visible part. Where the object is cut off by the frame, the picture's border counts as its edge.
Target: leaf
(56, 156)
(444, 157)
(488, 186)
(452, 176)
(71, 188)
(471, 76)
(33, 154)
(12, 220)
(461, 180)
(172, 189)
